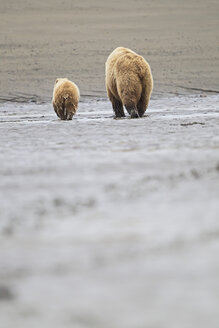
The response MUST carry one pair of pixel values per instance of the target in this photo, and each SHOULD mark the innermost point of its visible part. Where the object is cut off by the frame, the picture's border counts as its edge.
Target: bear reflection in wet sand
(65, 98)
(129, 82)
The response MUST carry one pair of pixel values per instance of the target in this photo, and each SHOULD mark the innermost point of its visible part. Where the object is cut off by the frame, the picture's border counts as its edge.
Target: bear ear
(57, 80)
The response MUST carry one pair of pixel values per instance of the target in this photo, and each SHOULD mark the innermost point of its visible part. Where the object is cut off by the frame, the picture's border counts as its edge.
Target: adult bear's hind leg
(143, 102)
(117, 105)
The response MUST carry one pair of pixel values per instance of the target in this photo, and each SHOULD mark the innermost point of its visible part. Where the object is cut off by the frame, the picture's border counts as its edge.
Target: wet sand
(40, 41)
(110, 223)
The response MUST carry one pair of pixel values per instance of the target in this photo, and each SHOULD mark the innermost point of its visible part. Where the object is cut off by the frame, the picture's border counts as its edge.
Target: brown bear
(65, 98)
(129, 82)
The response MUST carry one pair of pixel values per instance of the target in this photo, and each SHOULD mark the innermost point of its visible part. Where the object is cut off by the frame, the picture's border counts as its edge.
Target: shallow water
(110, 223)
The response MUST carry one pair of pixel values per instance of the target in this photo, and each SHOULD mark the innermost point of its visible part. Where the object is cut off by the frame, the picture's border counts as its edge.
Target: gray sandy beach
(109, 222)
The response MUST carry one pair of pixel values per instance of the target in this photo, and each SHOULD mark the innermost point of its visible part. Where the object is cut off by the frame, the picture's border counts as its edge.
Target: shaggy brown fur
(129, 82)
(65, 98)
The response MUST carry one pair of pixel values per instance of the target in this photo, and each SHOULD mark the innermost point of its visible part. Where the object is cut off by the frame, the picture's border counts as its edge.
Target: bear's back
(65, 88)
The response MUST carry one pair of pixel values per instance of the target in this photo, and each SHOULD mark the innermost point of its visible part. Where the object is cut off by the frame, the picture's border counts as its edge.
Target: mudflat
(43, 40)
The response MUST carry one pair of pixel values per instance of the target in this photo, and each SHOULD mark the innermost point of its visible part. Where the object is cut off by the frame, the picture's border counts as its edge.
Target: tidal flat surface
(110, 223)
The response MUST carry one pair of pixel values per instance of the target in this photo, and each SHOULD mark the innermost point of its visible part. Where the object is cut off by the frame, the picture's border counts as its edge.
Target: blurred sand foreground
(42, 40)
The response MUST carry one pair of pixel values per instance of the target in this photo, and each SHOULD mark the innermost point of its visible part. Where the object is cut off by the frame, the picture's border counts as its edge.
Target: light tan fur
(65, 100)
(129, 82)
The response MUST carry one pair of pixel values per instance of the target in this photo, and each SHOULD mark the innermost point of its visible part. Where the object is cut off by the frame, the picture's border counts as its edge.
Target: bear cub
(65, 100)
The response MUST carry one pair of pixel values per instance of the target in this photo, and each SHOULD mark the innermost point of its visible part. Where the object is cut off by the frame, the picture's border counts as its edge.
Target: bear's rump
(128, 85)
